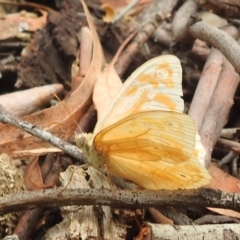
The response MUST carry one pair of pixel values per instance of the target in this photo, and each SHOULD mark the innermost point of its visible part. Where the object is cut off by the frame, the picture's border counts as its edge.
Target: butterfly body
(144, 136)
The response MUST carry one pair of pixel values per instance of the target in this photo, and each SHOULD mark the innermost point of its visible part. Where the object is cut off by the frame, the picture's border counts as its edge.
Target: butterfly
(144, 135)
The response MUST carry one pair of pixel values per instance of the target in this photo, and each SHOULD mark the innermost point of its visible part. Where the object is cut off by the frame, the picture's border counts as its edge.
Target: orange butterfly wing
(152, 149)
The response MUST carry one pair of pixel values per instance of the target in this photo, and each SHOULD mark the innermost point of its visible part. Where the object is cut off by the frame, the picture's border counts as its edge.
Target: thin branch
(70, 149)
(120, 198)
(219, 39)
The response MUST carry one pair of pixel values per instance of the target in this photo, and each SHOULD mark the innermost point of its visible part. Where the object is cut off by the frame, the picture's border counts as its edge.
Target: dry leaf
(33, 176)
(109, 83)
(222, 180)
(28, 101)
(13, 24)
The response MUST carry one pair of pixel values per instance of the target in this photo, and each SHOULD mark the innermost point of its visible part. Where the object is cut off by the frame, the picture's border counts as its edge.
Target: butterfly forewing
(156, 85)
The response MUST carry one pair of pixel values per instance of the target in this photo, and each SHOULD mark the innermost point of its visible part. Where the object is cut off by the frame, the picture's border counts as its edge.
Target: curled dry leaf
(110, 13)
(83, 60)
(33, 177)
(61, 119)
(114, 10)
(28, 101)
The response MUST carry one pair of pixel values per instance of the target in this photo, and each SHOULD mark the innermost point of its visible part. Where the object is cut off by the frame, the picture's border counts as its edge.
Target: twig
(206, 87)
(149, 20)
(70, 149)
(125, 10)
(27, 223)
(142, 36)
(181, 20)
(229, 133)
(219, 107)
(121, 198)
(217, 38)
(228, 158)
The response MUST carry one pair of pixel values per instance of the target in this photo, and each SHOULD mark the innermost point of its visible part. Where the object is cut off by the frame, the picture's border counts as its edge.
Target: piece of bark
(98, 220)
(206, 232)
(11, 182)
(224, 8)
(49, 56)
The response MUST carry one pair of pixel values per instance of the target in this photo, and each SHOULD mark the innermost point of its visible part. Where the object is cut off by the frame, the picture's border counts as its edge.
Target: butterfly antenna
(65, 187)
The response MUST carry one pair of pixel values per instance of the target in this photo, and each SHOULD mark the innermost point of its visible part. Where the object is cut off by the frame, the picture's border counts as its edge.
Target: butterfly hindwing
(153, 149)
(156, 175)
(150, 136)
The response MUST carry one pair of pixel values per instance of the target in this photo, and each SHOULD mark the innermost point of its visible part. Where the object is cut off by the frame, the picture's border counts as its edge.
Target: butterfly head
(85, 142)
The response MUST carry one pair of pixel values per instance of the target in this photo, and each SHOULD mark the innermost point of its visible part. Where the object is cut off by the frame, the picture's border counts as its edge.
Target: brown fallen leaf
(33, 177)
(28, 101)
(109, 83)
(13, 24)
(222, 180)
(225, 182)
(83, 60)
(57, 119)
